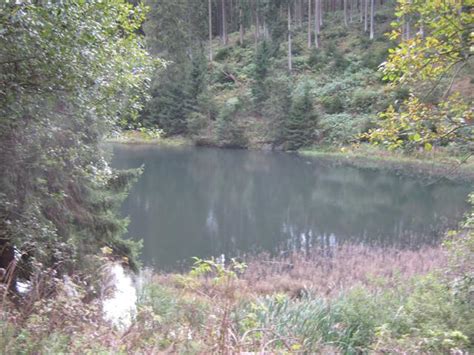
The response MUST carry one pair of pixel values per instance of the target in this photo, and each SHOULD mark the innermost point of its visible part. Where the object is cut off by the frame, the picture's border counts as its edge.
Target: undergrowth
(347, 300)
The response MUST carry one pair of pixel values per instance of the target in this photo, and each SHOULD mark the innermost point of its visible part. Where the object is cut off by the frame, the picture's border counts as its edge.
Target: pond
(208, 202)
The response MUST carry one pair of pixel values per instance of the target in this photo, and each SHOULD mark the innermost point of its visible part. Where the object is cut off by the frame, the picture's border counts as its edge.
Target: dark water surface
(207, 202)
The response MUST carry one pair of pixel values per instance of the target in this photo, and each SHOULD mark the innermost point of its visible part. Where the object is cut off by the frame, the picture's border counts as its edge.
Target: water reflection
(203, 202)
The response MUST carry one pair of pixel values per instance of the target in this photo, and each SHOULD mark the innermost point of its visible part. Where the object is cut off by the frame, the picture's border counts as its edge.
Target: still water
(207, 202)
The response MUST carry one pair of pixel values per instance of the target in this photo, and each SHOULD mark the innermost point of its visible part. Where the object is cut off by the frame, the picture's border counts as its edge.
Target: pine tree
(259, 90)
(170, 101)
(299, 129)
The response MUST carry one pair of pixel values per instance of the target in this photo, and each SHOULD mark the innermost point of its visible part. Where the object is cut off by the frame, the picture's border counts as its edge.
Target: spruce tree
(299, 128)
(262, 63)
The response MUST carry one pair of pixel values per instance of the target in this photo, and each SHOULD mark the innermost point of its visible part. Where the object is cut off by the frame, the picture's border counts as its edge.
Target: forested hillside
(271, 74)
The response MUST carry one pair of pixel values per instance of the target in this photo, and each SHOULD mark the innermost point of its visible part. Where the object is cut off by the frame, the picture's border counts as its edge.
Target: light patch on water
(120, 308)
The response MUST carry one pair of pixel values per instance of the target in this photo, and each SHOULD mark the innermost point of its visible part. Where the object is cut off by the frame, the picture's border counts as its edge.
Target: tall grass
(349, 300)
(328, 272)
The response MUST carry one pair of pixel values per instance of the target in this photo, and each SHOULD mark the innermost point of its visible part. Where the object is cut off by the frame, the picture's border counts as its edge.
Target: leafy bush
(332, 104)
(400, 94)
(299, 62)
(222, 54)
(317, 60)
(340, 129)
(223, 74)
(228, 131)
(364, 100)
(335, 32)
(196, 122)
(377, 54)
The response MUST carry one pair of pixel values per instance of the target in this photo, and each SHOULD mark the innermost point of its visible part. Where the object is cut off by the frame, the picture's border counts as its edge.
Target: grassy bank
(438, 164)
(341, 300)
(147, 137)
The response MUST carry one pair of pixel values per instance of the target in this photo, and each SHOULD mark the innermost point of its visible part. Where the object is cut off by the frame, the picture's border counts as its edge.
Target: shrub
(316, 60)
(196, 122)
(340, 129)
(222, 54)
(228, 131)
(376, 55)
(299, 62)
(335, 32)
(364, 100)
(332, 104)
(401, 93)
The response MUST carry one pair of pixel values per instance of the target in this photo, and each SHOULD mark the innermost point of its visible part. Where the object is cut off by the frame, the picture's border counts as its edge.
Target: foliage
(341, 129)
(338, 72)
(438, 52)
(300, 127)
(262, 64)
(332, 104)
(229, 132)
(179, 93)
(63, 89)
(364, 100)
(419, 124)
(218, 307)
(277, 106)
(221, 272)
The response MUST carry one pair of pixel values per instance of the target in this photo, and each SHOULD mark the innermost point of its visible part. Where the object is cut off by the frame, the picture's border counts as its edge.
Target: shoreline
(448, 168)
(439, 165)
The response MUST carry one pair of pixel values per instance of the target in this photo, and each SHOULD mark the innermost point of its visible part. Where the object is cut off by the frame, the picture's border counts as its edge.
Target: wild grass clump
(327, 272)
(422, 315)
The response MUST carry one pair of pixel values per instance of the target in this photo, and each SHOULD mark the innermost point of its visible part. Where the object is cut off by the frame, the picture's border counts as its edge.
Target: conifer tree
(259, 90)
(299, 129)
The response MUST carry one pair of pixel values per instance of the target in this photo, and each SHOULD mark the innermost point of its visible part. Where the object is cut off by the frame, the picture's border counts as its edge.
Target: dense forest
(266, 74)
(280, 74)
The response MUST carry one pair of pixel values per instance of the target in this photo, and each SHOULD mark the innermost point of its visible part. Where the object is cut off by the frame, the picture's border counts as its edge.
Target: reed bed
(328, 272)
(348, 299)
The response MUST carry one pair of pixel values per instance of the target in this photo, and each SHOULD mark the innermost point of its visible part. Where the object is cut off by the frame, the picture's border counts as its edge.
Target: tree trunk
(290, 66)
(408, 34)
(366, 15)
(317, 9)
(231, 18)
(210, 29)
(320, 13)
(257, 24)
(299, 13)
(265, 29)
(309, 24)
(372, 25)
(422, 31)
(345, 13)
(241, 23)
(351, 10)
(224, 24)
